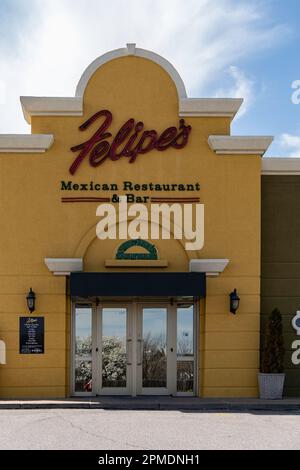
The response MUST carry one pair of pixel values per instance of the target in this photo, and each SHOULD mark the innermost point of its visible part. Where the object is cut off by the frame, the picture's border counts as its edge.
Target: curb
(211, 407)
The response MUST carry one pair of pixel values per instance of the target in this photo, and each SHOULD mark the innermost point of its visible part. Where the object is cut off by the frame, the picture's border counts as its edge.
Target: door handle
(129, 354)
(140, 345)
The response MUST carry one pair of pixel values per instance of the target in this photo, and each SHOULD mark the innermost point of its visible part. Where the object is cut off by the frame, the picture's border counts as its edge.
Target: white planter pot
(271, 386)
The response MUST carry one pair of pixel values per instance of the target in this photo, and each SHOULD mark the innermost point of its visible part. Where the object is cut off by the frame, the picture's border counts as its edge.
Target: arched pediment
(130, 50)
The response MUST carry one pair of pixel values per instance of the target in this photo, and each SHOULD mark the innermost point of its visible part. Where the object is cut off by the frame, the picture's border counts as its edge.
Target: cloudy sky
(235, 48)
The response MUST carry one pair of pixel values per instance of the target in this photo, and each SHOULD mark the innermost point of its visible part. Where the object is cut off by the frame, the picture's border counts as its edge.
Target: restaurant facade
(88, 309)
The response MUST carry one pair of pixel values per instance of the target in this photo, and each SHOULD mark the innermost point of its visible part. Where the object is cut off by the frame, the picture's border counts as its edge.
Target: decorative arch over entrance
(88, 238)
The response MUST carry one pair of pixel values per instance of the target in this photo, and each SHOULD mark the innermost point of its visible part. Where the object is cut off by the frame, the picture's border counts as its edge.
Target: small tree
(114, 362)
(273, 354)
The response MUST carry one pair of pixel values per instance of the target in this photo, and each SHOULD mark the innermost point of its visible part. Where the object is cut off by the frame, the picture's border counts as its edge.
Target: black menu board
(32, 334)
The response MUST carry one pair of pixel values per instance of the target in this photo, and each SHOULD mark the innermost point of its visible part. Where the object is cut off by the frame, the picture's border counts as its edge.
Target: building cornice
(280, 166)
(73, 106)
(25, 143)
(211, 267)
(64, 266)
(209, 107)
(49, 106)
(239, 145)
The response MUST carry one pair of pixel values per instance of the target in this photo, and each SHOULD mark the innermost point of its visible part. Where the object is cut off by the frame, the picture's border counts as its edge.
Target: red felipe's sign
(125, 143)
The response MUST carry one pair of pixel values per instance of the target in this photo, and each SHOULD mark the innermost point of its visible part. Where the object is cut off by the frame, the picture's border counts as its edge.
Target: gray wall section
(280, 270)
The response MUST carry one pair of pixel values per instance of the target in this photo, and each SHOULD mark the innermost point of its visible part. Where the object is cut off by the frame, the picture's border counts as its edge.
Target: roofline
(280, 166)
(73, 106)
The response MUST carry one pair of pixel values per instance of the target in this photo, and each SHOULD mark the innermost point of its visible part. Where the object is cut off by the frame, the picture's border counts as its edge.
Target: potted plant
(271, 379)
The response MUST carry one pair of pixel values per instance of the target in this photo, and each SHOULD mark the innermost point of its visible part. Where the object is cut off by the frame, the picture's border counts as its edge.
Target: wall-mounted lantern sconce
(31, 300)
(234, 302)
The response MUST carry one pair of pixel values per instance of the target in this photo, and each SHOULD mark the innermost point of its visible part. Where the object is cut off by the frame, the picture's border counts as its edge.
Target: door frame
(92, 305)
(196, 356)
(132, 317)
(170, 339)
(98, 346)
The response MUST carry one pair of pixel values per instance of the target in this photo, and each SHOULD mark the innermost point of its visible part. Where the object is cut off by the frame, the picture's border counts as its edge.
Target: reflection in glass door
(115, 349)
(185, 349)
(83, 348)
(154, 343)
(153, 350)
(134, 349)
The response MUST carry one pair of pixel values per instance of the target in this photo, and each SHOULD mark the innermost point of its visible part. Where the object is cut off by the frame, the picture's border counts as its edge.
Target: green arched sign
(151, 251)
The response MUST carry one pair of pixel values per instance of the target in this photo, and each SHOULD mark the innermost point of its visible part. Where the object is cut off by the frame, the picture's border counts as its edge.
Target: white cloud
(202, 38)
(243, 87)
(2, 92)
(290, 145)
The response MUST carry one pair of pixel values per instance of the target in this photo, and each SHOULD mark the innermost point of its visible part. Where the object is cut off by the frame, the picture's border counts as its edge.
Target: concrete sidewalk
(157, 403)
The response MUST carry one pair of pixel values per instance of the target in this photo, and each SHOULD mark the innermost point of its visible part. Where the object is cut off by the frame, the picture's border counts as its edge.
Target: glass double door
(134, 349)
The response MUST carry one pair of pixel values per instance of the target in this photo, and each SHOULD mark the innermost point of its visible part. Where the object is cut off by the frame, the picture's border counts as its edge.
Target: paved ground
(146, 430)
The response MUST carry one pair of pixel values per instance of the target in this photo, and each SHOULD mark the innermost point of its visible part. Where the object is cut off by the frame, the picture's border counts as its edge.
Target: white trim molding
(2, 353)
(131, 50)
(73, 106)
(209, 107)
(25, 143)
(211, 267)
(64, 266)
(48, 106)
(239, 145)
(280, 166)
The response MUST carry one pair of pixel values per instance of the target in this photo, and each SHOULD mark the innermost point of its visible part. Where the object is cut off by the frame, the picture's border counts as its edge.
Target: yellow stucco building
(148, 318)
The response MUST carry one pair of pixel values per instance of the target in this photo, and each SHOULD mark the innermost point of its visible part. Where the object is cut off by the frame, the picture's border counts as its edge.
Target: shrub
(273, 354)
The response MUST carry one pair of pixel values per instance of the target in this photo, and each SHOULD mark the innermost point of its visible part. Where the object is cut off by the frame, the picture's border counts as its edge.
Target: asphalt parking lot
(61, 429)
